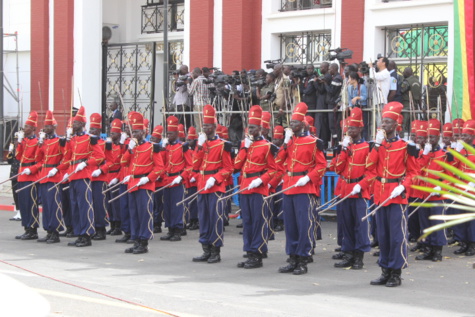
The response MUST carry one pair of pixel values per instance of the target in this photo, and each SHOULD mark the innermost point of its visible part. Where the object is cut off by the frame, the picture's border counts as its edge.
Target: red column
(242, 20)
(39, 57)
(352, 28)
(201, 33)
(63, 60)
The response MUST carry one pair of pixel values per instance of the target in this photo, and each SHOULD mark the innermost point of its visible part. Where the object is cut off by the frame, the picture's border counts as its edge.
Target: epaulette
(156, 148)
(412, 150)
(274, 149)
(186, 147)
(450, 157)
(62, 142)
(320, 145)
(94, 140)
(228, 146)
(109, 146)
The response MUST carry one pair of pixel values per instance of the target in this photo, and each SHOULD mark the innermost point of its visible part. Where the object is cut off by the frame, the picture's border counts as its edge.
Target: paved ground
(103, 281)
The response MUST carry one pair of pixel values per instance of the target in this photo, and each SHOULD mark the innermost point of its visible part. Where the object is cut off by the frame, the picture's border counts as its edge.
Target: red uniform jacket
(176, 161)
(50, 154)
(103, 177)
(256, 161)
(112, 167)
(26, 152)
(304, 156)
(124, 167)
(191, 172)
(332, 168)
(462, 166)
(429, 162)
(213, 159)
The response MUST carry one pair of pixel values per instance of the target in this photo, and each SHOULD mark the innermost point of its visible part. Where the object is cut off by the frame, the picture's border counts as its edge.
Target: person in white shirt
(382, 78)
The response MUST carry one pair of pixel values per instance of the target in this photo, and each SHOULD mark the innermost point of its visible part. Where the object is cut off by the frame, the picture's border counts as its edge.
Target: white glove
(123, 137)
(80, 167)
(210, 183)
(65, 177)
(436, 188)
(453, 145)
(96, 173)
(201, 139)
(255, 183)
(427, 148)
(192, 180)
(21, 135)
(247, 142)
(302, 181)
(26, 171)
(288, 135)
(42, 136)
(380, 136)
(113, 181)
(459, 146)
(418, 146)
(126, 179)
(176, 181)
(69, 132)
(269, 186)
(52, 172)
(164, 142)
(471, 184)
(356, 190)
(143, 181)
(10, 147)
(109, 140)
(397, 191)
(346, 141)
(132, 144)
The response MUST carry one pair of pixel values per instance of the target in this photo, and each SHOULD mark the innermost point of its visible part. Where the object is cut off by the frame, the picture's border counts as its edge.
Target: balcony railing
(294, 5)
(153, 16)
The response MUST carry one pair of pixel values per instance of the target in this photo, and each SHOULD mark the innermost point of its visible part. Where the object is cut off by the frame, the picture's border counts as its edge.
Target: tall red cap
(172, 124)
(356, 118)
(434, 127)
(80, 115)
(192, 133)
(136, 121)
(447, 130)
(32, 119)
(310, 120)
(265, 123)
(181, 131)
(255, 115)
(399, 123)
(300, 111)
(49, 118)
(146, 123)
(469, 127)
(219, 130)
(392, 110)
(224, 132)
(157, 131)
(414, 126)
(421, 128)
(278, 132)
(96, 121)
(457, 126)
(209, 115)
(116, 126)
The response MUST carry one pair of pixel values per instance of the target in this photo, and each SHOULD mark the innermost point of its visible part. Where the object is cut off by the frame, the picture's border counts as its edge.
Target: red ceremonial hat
(421, 128)
(392, 110)
(181, 131)
(279, 132)
(265, 121)
(146, 122)
(255, 115)
(209, 115)
(70, 123)
(457, 126)
(399, 123)
(224, 132)
(157, 131)
(299, 112)
(447, 130)
(313, 130)
(434, 127)
(172, 124)
(136, 121)
(49, 118)
(192, 133)
(116, 126)
(414, 126)
(32, 119)
(310, 120)
(469, 127)
(80, 115)
(219, 129)
(344, 125)
(356, 118)
(96, 121)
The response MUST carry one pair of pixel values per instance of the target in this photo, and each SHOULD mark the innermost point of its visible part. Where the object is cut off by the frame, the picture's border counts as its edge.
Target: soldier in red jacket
(191, 206)
(26, 153)
(392, 166)
(50, 153)
(145, 164)
(256, 162)
(351, 166)
(275, 202)
(156, 138)
(213, 161)
(305, 167)
(83, 155)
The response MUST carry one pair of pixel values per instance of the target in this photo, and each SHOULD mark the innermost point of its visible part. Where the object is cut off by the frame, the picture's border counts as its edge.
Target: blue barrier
(235, 183)
(328, 187)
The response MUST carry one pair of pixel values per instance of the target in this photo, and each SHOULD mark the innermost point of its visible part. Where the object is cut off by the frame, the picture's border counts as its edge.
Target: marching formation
(86, 184)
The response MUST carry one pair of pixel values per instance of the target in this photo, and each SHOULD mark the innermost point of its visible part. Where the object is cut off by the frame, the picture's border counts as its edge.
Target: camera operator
(333, 85)
(357, 97)
(321, 119)
(308, 89)
(180, 100)
(281, 96)
(410, 88)
(199, 89)
(382, 78)
(264, 93)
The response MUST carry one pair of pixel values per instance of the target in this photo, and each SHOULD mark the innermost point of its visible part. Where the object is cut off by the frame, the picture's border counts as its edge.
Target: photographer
(281, 97)
(321, 119)
(199, 89)
(357, 97)
(180, 100)
(333, 84)
(308, 89)
(264, 93)
(382, 78)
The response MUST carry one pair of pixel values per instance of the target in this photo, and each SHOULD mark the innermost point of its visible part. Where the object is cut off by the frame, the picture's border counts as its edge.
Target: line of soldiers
(86, 183)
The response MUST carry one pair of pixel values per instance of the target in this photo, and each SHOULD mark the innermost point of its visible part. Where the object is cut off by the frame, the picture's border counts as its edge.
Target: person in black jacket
(309, 90)
(333, 84)
(15, 166)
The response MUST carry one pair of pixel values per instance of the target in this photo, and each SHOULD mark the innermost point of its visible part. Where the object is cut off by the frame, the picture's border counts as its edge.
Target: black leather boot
(426, 255)
(470, 249)
(383, 279)
(157, 228)
(215, 255)
(348, 260)
(32, 234)
(124, 239)
(279, 226)
(176, 234)
(206, 254)
(254, 261)
(418, 247)
(338, 256)
(357, 260)
(100, 234)
(69, 229)
(248, 256)
(194, 224)
(73, 243)
(290, 267)
(301, 267)
(463, 248)
(111, 228)
(395, 279)
(85, 242)
(437, 255)
(46, 238)
(18, 237)
(54, 238)
(183, 232)
(168, 236)
(131, 249)
(142, 247)
(117, 231)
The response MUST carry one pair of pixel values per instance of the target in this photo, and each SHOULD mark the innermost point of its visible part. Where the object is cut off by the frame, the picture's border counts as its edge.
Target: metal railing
(294, 5)
(153, 17)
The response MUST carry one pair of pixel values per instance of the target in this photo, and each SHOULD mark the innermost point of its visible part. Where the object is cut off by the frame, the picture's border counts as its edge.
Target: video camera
(340, 54)
(270, 64)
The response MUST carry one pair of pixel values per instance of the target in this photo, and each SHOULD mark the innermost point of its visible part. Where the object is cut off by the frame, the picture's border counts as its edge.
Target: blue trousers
(82, 211)
(299, 217)
(459, 230)
(173, 214)
(100, 204)
(276, 205)
(255, 231)
(414, 225)
(28, 205)
(124, 209)
(355, 232)
(465, 232)
(437, 238)
(211, 218)
(339, 224)
(191, 207)
(114, 211)
(52, 207)
(317, 220)
(158, 208)
(141, 214)
(392, 236)
(66, 205)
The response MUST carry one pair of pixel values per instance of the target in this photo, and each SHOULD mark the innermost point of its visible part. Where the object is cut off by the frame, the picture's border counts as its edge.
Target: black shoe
(130, 241)
(226, 223)
(279, 228)
(71, 234)
(301, 267)
(117, 231)
(124, 239)
(338, 249)
(46, 238)
(131, 250)
(383, 279)
(206, 254)
(194, 225)
(100, 234)
(18, 237)
(374, 244)
(157, 229)
(177, 233)
(142, 247)
(395, 278)
(426, 255)
(54, 238)
(31, 234)
(471, 249)
(254, 262)
(182, 232)
(111, 228)
(463, 248)
(452, 241)
(73, 244)
(246, 255)
(215, 255)
(357, 260)
(348, 260)
(68, 230)
(417, 247)
(338, 256)
(289, 268)
(437, 255)
(376, 253)
(168, 236)
(239, 225)
(85, 242)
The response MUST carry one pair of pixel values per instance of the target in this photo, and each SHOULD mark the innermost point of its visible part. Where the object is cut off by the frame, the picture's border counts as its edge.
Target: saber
(275, 194)
(374, 211)
(413, 212)
(328, 202)
(27, 186)
(63, 181)
(341, 200)
(230, 190)
(115, 190)
(196, 197)
(14, 176)
(239, 191)
(278, 200)
(65, 188)
(126, 192)
(162, 188)
(189, 197)
(113, 186)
